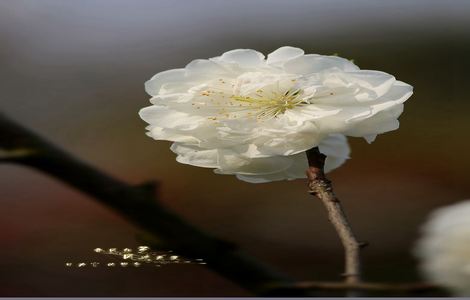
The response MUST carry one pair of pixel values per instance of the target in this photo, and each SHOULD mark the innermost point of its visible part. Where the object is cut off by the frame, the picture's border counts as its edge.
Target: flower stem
(321, 187)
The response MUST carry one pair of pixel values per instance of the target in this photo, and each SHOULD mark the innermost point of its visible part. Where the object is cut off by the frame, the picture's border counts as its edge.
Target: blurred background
(74, 72)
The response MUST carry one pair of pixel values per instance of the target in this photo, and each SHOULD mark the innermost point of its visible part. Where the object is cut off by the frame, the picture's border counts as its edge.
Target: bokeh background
(74, 72)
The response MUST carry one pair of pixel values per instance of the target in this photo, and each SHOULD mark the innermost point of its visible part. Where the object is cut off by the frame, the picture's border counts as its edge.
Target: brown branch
(361, 286)
(321, 187)
(139, 206)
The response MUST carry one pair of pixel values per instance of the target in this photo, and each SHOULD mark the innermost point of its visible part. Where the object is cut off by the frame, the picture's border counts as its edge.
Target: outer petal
(375, 81)
(153, 86)
(396, 95)
(243, 57)
(170, 99)
(313, 63)
(283, 54)
(383, 117)
(193, 155)
(205, 67)
(368, 120)
(261, 178)
(335, 147)
(380, 122)
(159, 133)
(292, 142)
(165, 117)
(231, 162)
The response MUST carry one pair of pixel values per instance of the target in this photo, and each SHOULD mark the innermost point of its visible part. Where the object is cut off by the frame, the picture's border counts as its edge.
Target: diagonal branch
(141, 208)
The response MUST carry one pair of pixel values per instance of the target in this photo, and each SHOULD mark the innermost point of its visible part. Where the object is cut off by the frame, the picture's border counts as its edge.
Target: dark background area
(74, 72)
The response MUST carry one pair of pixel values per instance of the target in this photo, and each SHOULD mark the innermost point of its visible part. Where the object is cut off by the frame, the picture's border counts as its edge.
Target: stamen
(261, 105)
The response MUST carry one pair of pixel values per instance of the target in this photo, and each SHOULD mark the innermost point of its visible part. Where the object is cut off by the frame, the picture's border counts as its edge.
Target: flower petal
(284, 54)
(243, 57)
(381, 122)
(152, 86)
(193, 155)
(232, 163)
(312, 63)
(205, 67)
(165, 117)
(376, 81)
(159, 133)
(397, 94)
(335, 147)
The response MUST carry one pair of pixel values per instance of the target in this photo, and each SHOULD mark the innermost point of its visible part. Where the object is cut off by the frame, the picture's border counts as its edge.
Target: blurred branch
(139, 205)
(361, 286)
(321, 187)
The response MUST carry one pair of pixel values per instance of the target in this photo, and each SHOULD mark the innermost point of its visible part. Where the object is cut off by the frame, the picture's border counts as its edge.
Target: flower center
(226, 99)
(271, 107)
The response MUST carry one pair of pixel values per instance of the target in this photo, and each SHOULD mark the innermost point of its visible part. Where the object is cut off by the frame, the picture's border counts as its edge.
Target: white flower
(444, 249)
(253, 117)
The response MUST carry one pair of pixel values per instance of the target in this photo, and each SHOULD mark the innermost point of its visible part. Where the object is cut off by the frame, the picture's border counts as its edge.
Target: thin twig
(321, 187)
(139, 205)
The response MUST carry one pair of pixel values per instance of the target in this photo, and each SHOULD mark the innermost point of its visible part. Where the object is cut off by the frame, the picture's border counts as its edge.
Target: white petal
(249, 151)
(376, 81)
(362, 119)
(165, 117)
(313, 63)
(397, 94)
(243, 57)
(284, 54)
(152, 86)
(335, 147)
(232, 163)
(311, 112)
(370, 138)
(292, 141)
(263, 178)
(170, 98)
(337, 123)
(193, 155)
(159, 133)
(380, 122)
(205, 67)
